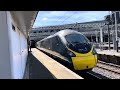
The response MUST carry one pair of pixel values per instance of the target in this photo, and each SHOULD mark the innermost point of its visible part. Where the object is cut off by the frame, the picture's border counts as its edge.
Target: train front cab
(84, 61)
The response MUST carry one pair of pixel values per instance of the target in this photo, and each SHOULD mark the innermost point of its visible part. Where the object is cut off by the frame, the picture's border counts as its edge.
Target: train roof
(63, 33)
(66, 32)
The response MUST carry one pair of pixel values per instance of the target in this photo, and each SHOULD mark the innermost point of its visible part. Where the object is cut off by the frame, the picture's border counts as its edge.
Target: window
(13, 27)
(55, 43)
(46, 31)
(47, 43)
(40, 31)
(76, 38)
(51, 30)
(42, 44)
(78, 43)
(34, 32)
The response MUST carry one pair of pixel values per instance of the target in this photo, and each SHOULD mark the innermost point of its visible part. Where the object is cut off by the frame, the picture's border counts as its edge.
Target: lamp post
(109, 36)
(108, 21)
(116, 31)
(115, 19)
(96, 37)
(101, 38)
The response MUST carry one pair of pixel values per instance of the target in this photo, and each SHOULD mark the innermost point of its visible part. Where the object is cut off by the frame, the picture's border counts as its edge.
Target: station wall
(5, 66)
(18, 48)
(13, 48)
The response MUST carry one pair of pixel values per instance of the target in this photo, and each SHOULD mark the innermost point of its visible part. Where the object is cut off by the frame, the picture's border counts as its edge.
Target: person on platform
(29, 44)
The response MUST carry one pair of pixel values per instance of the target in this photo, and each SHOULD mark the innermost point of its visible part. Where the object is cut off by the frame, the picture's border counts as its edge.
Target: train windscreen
(78, 43)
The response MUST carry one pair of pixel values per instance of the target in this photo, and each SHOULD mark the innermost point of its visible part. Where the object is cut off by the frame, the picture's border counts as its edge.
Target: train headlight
(94, 51)
(71, 54)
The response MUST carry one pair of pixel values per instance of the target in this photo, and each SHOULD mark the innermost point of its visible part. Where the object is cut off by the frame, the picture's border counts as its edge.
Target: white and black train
(72, 47)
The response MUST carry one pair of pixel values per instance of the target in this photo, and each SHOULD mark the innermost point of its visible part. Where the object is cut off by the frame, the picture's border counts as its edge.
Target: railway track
(110, 64)
(91, 74)
(114, 71)
(94, 75)
(106, 71)
(109, 67)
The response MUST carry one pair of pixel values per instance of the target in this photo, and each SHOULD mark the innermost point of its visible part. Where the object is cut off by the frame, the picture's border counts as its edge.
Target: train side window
(55, 43)
(47, 43)
(39, 44)
(61, 47)
(42, 44)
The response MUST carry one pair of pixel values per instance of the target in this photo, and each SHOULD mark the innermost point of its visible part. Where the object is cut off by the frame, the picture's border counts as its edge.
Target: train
(72, 47)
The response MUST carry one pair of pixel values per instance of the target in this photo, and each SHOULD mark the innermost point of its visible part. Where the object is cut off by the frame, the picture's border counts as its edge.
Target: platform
(109, 56)
(108, 52)
(42, 66)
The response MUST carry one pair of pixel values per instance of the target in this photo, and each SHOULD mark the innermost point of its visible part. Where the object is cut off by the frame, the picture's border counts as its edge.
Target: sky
(51, 18)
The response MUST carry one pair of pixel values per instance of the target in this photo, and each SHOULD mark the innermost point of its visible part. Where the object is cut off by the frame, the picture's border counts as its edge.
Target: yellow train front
(72, 47)
(84, 61)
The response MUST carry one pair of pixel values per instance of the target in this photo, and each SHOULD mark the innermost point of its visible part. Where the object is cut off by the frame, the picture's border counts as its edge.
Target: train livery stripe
(81, 55)
(84, 61)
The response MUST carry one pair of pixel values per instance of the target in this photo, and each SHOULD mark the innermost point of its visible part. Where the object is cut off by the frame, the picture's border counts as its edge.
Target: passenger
(29, 46)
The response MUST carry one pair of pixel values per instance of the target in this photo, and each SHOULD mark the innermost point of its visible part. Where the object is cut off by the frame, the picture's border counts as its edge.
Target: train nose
(81, 63)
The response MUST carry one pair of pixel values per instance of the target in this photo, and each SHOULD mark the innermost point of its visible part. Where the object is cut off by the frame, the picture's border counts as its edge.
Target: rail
(109, 67)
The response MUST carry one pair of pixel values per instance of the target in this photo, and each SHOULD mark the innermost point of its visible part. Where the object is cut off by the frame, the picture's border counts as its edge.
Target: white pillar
(114, 39)
(115, 30)
(101, 35)
(115, 26)
(101, 38)
(96, 37)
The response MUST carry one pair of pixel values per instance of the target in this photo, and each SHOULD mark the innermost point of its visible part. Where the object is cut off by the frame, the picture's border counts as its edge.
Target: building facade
(90, 29)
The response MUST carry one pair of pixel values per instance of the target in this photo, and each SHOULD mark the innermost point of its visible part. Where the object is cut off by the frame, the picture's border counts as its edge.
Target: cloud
(48, 18)
(44, 19)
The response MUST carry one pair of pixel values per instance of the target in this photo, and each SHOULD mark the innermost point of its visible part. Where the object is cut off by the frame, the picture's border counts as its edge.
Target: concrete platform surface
(56, 69)
(108, 52)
